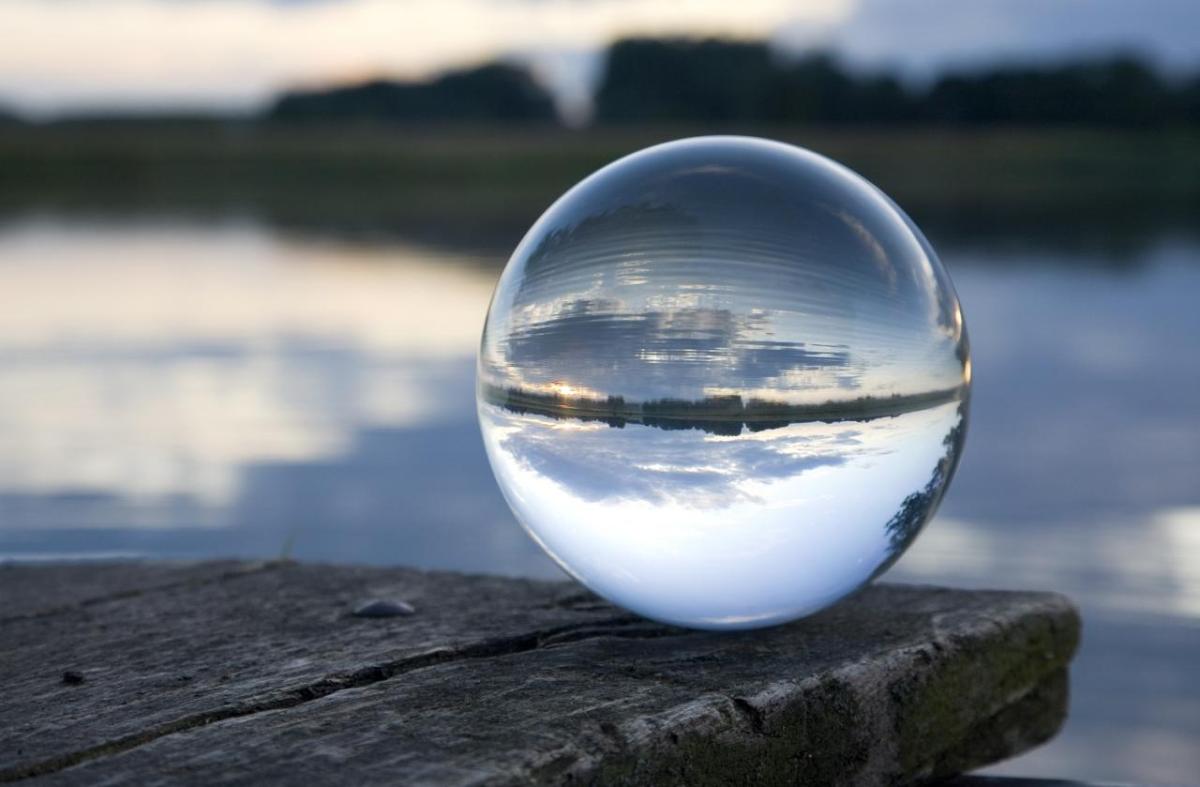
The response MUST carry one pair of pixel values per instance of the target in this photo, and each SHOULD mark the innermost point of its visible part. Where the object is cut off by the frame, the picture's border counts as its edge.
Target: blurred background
(246, 247)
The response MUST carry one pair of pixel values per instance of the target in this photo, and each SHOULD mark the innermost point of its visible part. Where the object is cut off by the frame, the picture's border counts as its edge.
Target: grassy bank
(486, 185)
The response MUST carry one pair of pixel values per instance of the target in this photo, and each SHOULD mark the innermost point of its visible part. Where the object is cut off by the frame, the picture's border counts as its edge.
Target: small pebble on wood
(383, 608)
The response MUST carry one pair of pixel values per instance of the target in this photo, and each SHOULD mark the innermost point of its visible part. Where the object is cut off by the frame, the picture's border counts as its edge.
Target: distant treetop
(692, 80)
(648, 80)
(495, 92)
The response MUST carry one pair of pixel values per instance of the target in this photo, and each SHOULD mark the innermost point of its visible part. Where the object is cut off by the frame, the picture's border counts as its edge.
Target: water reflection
(1081, 477)
(129, 382)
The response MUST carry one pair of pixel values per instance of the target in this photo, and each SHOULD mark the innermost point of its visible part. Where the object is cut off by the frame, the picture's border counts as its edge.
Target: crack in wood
(625, 626)
(753, 716)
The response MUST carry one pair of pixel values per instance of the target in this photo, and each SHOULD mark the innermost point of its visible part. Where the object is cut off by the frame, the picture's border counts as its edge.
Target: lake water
(185, 389)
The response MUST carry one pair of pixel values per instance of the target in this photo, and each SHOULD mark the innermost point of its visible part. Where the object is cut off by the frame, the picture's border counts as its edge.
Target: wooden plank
(265, 675)
(35, 589)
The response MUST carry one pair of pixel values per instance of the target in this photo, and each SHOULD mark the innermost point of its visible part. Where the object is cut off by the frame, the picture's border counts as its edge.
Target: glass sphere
(724, 382)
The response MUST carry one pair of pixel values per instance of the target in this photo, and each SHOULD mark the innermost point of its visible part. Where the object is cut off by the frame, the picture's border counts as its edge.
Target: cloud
(152, 380)
(598, 463)
(599, 345)
(688, 468)
(923, 35)
(238, 52)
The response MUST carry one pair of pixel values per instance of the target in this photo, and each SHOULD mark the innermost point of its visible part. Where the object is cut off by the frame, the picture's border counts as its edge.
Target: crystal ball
(723, 382)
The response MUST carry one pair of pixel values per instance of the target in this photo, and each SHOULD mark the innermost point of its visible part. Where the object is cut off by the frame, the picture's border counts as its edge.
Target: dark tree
(916, 509)
(490, 93)
(1120, 91)
(817, 89)
(713, 81)
(1189, 101)
(685, 80)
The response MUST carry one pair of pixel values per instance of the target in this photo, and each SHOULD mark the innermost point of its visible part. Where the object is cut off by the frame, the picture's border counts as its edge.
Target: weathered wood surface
(228, 672)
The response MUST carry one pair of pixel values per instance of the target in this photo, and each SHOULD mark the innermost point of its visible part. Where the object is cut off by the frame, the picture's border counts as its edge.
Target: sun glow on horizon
(237, 53)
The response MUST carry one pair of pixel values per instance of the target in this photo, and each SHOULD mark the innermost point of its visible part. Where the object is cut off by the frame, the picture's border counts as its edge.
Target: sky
(71, 55)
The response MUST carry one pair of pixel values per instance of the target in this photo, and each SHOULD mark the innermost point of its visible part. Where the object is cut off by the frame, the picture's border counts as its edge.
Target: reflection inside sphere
(724, 382)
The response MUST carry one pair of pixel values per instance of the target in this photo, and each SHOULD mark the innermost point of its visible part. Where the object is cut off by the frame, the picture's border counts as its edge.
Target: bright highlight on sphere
(724, 382)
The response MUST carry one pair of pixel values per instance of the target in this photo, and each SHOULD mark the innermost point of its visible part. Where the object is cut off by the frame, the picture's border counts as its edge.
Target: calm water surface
(191, 390)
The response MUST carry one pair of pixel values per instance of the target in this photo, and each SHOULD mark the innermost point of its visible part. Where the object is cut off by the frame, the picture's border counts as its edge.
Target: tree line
(496, 92)
(725, 81)
(646, 80)
(720, 81)
(723, 414)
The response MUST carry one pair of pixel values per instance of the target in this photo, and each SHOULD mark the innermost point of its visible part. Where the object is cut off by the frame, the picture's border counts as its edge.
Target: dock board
(230, 672)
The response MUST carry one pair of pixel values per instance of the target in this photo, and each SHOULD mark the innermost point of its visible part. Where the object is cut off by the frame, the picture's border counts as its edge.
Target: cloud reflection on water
(1046, 499)
(156, 382)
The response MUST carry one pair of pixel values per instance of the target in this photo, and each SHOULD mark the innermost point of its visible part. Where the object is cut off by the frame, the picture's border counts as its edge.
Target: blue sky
(62, 55)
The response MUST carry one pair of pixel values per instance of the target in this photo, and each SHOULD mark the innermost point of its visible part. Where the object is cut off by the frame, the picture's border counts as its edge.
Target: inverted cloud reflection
(680, 468)
(691, 469)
